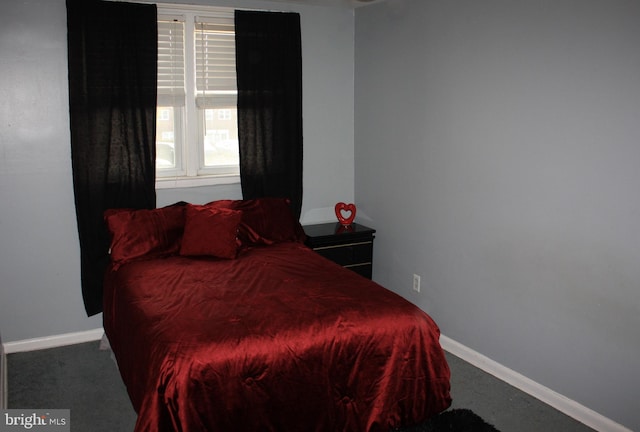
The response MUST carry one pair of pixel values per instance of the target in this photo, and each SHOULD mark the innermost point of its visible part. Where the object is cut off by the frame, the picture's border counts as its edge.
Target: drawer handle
(342, 245)
(358, 265)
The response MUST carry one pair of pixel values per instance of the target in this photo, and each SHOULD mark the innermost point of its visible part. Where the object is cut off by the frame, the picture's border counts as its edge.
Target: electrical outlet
(416, 282)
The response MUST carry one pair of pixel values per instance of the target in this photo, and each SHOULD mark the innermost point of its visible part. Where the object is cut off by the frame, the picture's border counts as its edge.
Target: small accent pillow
(265, 221)
(211, 232)
(137, 234)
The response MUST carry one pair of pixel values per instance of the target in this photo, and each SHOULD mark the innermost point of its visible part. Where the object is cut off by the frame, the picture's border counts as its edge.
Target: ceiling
(346, 3)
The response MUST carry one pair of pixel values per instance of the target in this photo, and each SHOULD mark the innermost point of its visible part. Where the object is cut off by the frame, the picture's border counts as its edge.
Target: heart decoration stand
(345, 213)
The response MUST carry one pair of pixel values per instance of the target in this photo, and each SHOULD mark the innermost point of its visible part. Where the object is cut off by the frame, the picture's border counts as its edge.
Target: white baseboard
(563, 404)
(53, 341)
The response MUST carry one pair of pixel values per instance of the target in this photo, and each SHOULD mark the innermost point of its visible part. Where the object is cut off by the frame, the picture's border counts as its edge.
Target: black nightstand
(351, 247)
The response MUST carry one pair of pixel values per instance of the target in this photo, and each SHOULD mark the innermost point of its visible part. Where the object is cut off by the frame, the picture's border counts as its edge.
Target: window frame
(189, 120)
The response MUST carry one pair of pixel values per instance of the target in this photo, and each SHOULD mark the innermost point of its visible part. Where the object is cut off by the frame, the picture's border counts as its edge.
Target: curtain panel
(112, 59)
(269, 79)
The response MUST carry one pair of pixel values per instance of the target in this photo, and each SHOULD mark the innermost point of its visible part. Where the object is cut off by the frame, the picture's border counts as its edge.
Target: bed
(221, 319)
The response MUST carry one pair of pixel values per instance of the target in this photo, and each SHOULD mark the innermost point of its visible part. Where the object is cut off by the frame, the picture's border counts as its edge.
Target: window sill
(187, 182)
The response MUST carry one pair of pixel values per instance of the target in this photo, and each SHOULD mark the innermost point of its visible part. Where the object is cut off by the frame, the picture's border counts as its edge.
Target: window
(224, 114)
(197, 132)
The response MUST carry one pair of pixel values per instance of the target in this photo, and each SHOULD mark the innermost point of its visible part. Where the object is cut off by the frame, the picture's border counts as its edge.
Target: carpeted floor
(84, 379)
(77, 377)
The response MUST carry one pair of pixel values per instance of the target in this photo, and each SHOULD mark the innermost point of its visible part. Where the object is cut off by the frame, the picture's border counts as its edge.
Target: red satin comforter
(279, 339)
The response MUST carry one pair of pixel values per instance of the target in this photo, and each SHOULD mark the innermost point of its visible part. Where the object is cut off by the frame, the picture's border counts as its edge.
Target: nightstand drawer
(348, 254)
(351, 247)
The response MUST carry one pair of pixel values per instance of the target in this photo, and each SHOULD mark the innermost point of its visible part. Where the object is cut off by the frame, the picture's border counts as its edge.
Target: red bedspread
(279, 339)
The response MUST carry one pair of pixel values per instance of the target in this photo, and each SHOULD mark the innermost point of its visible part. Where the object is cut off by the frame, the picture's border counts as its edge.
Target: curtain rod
(198, 7)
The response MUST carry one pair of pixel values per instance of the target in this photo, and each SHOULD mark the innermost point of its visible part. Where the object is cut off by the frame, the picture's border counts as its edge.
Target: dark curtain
(269, 74)
(112, 56)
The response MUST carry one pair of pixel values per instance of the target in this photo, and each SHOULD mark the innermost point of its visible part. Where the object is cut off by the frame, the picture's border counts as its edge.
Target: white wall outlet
(416, 282)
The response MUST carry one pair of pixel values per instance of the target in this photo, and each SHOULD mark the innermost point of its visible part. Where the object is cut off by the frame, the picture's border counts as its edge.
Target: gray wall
(39, 253)
(498, 154)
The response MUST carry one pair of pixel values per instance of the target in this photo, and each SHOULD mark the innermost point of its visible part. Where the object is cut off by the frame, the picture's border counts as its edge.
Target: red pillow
(137, 234)
(210, 232)
(265, 221)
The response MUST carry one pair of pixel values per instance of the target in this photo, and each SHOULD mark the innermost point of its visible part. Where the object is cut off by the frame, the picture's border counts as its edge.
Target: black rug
(455, 420)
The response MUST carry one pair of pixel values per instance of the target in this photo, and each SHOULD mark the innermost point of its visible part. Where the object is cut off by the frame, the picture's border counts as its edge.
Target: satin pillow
(265, 221)
(210, 231)
(138, 234)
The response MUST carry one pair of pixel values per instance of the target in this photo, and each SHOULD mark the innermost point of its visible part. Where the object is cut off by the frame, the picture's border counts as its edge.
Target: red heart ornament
(345, 213)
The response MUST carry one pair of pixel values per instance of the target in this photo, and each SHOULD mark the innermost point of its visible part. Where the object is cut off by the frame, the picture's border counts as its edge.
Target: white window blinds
(171, 90)
(215, 62)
